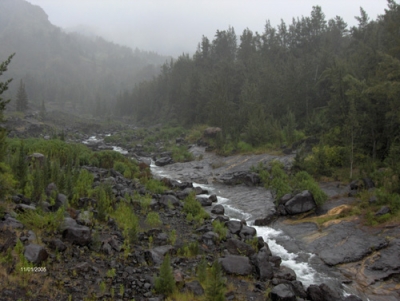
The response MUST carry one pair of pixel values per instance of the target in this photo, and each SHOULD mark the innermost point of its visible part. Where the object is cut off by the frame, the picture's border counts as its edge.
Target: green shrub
(193, 207)
(127, 221)
(153, 219)
(215, 288)
(303, 181)
(220, 229)
(165, 283)
(155, 186)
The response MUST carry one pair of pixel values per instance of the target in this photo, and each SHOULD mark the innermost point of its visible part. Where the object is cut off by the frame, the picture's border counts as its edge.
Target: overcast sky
(171, 27)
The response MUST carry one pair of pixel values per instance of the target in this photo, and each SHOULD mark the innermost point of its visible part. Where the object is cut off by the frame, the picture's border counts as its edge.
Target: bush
(155, 186)
(215, 288)
(193, 207)
(220, 229)
(153, 219)
(165, 283)
(303, 181)
(127, 221)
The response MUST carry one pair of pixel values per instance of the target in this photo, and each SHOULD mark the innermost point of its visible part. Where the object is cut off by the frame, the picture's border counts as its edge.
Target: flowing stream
(248, 203)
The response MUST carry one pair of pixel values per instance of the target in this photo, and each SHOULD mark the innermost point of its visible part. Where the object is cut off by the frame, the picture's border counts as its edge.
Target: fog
(171, 27)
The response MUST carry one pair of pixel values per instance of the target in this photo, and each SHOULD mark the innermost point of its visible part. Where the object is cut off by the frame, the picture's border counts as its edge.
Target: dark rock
(299, 289)
(283, 200)
(164, 161)
(285, 273)
(234, 226)
(24, 208)
(213, 198)
(169, 200)
(239, 177)
(281, 210)
(35, 253)
(222, 218)
(237, 247)
(10, 239)
(269, 218)
(368, 183)
(340, 247)
(60, 201)
(247, 232)
(236, 265)
(385, 263)
(300, 203)
(205, 202)
(11, 223)
(382, 211)
(354, 185)
(57, 244)
(322, 293)
(218, 209)
(263, 267)
(210, 238)
(373, 199)
(51, 189)
(79, 235)
(283, 292)
(156, 255)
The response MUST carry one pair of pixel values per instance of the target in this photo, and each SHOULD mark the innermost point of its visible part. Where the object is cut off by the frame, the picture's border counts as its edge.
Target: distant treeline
(313, 75)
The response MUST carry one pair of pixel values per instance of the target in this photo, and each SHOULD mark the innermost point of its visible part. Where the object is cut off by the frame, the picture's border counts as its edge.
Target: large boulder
(169, 200)
(164, 161)
(322, 293)
(283, 292)
(156, 255)
(204, 201)
(263, 267)
(234, 226)
(267, 219)
(237, 247)
(300, 203)
(35, 253)
(218, 210)
(79, 235)
(236, 265)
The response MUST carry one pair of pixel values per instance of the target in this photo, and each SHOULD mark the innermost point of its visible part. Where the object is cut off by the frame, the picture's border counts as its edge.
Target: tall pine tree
(22, 98)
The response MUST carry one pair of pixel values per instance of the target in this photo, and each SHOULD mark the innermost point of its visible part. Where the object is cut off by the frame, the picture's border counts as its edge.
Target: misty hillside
(67, 68)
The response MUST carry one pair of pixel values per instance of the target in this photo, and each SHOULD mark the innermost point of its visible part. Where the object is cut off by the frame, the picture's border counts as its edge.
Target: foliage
(22, 98)
(3, 102)
(155, 186)
(303, 181)
(7, 181)
(153, 219)
(189, 250)
(193, 207)
(280, 180)
(220, 229)
(165, 282)
(215, 283)
(127, 221)
(201, 270)
(38, 220)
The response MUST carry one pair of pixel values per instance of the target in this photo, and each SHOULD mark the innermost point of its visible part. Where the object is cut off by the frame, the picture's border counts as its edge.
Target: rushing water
(248, 203)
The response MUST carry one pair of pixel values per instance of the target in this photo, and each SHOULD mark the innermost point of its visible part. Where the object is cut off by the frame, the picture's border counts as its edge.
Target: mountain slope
(67, 68)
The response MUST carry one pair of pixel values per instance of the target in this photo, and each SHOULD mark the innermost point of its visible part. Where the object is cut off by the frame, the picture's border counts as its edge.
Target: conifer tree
(215, 285)
(3, 88)
(22, 98)
(165, 283)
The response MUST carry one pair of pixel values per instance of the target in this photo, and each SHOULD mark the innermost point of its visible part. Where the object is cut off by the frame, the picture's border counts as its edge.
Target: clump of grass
(220, 229)
(153, 219)
(155, 186)
(193, 207)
